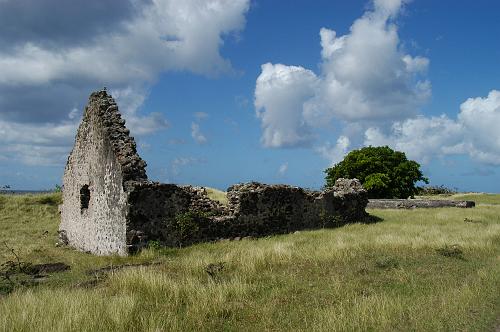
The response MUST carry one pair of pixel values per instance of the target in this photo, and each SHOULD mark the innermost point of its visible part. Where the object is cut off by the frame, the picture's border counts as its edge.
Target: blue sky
(218, 92)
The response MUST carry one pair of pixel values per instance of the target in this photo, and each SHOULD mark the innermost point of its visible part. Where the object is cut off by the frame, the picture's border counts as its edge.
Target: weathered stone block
(417, 203)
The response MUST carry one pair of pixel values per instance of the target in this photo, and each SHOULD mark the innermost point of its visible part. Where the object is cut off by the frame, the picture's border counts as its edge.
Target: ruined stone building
(110, 207)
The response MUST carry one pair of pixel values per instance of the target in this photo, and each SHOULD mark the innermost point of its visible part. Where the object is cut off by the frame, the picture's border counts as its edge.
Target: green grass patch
(399, 274)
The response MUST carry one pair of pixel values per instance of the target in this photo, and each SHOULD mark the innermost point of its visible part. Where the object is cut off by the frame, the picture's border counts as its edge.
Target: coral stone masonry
(110, 207)
(102, 162)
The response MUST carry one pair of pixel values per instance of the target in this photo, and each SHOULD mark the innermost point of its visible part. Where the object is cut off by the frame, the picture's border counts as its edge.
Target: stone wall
(416, 203)
(95, 175)
(154, 209)
(268, 209)
(177, 216)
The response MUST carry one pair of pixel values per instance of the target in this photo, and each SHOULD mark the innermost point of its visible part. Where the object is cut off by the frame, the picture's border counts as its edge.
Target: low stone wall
(281, 208)
(177, 216)
(416, 203)
(154, 209)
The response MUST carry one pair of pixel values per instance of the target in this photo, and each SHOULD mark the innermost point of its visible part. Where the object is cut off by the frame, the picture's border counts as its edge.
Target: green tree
(384, 173)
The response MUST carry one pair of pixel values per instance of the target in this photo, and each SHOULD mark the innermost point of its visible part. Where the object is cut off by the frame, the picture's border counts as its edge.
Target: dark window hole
(84, 197)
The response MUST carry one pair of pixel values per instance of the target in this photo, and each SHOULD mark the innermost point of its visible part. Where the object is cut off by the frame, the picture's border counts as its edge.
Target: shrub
(214, 270)
(436, 190)
(454, 251)
(154, 244)
(187, 225)
(384, 173)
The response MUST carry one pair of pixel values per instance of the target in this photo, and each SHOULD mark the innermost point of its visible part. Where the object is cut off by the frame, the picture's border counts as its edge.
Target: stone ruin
(417, 203)
(110, 206)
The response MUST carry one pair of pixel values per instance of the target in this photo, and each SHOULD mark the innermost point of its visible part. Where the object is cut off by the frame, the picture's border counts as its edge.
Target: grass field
(416, 270)
(479, 198)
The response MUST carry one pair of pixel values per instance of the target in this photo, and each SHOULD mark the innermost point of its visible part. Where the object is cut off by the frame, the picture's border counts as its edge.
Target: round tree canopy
(384, 173)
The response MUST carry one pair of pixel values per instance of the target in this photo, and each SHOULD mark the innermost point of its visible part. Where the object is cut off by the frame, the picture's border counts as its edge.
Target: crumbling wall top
(348, 187)
(104, 107)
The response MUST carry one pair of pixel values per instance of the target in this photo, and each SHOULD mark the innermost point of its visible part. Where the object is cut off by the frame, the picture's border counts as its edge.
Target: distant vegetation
(384, 173)
(435, 190)
(418, 270)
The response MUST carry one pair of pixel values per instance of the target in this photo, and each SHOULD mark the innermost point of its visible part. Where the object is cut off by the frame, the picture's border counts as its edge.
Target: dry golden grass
(398, 274)
(217, 195)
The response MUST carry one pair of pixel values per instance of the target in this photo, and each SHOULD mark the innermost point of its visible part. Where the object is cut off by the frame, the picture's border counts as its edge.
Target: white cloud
(197, 135)
(47, 144)
(38, 155)
(480, 118)
(283, 169)
(388, 8)
(159, 36)
(474, 132)
(416, 64)
(420, 138)
(73, 114)
(168, 34)
(367, 82)
(280, 94)
(144, 125)
(365, 76)
(129, 102)
(335, 153)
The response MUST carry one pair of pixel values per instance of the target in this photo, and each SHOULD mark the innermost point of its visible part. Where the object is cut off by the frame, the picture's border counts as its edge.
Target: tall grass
(479, 198)
(385, 276)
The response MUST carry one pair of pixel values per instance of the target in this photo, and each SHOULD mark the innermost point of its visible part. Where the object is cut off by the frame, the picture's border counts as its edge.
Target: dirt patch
(48, 268)
(98, 276)
(16, 273)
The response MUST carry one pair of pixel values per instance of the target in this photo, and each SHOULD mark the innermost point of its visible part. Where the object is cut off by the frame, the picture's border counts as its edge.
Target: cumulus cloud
(53, 54)
(166, 34)
(421, 138)
(474, 133)
(480, 118)
(365, 76)
(280, 94)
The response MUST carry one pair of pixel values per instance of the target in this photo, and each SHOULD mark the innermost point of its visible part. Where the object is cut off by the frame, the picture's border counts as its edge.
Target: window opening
(84, 197)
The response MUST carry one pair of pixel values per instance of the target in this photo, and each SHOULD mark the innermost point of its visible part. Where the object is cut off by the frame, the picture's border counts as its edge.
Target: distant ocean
(22, 192)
